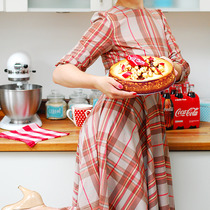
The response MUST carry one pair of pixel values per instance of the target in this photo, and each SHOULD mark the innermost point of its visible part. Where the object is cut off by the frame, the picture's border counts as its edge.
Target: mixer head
(18, 67)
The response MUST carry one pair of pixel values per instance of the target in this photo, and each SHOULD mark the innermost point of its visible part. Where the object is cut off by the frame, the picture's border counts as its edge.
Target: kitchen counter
(186, 139)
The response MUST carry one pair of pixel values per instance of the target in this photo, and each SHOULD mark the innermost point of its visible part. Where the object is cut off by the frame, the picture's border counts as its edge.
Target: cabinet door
(1, 5)
(100, 5)
(16, 6)
(59, 6)
(204, 5)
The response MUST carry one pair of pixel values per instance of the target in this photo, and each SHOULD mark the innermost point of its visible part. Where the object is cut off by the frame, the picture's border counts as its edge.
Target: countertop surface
(186, 139)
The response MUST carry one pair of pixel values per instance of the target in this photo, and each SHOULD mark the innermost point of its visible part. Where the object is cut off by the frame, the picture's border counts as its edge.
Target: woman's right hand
(112, 89)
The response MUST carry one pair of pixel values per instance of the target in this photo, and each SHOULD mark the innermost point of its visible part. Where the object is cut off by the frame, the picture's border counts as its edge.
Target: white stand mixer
(19, 101)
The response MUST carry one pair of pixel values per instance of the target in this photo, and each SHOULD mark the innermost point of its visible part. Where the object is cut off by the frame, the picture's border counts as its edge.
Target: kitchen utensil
(19, 101)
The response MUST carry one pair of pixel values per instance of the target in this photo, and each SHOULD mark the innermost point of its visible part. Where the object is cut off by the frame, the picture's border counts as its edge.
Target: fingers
(121, 94)
(116, 91)
(113, 89)
(116, 84)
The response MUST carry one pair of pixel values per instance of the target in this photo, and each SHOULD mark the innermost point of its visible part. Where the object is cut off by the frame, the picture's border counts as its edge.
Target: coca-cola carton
(186, 108)
(186, 112)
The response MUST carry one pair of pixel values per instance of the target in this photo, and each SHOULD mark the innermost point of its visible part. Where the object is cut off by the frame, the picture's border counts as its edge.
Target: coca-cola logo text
(190, 112)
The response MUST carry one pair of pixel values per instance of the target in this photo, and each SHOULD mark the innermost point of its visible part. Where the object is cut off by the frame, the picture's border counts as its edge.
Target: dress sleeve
(174, 51)
(96, 41)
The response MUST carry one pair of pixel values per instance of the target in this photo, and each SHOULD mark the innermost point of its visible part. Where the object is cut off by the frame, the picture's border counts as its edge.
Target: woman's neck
(134, 4)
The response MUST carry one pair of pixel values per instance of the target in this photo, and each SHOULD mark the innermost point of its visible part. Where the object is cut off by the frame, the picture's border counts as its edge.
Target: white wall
(48, 36)
(52, 175)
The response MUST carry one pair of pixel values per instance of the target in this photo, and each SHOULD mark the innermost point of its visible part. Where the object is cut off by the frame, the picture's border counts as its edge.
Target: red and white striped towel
(31, 134)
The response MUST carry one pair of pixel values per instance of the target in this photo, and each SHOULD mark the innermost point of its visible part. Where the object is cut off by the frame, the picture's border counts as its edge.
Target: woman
(122, 157)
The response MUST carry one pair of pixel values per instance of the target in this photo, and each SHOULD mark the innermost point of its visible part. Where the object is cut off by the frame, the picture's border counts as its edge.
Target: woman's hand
(177, 67)
(70, 76)
(112, 89)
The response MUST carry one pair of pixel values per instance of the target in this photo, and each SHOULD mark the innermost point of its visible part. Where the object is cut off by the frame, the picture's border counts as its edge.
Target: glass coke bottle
(173, 89)
(191, 92)
(168, 109)
(179, 93)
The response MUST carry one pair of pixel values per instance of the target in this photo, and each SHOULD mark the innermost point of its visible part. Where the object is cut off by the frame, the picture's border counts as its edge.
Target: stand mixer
(19, 101)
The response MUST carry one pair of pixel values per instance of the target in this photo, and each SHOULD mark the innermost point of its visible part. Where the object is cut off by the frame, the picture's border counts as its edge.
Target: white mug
(79, 113)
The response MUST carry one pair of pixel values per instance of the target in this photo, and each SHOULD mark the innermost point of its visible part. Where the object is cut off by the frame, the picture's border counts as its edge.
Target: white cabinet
(57, 5)
(16, 6)
(96, 5)
(1, 5)
(204, 5)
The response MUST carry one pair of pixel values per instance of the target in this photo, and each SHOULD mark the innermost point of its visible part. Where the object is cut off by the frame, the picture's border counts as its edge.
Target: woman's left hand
(177, 67)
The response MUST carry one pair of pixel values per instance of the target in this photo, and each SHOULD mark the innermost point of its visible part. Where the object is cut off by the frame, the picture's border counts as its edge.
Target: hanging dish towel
(31, 134)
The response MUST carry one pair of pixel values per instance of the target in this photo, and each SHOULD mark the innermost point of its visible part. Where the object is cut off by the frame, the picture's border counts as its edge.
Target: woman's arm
(70, 76)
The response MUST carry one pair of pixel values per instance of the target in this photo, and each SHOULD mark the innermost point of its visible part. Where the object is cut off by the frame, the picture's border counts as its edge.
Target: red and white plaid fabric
(122, 159)
(31, 134)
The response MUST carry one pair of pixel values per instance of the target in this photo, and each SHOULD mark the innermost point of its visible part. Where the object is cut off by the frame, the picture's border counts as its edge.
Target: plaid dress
(122, 159)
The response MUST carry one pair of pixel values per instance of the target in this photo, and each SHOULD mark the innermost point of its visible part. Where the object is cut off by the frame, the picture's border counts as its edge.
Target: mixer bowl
(20, 104)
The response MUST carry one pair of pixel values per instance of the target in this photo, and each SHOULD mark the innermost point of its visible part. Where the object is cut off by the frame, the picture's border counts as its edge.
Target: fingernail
(120, 86)
(134, 94)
